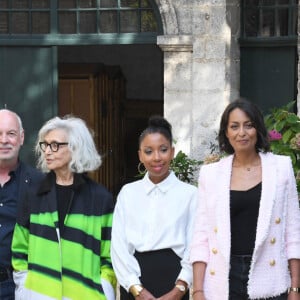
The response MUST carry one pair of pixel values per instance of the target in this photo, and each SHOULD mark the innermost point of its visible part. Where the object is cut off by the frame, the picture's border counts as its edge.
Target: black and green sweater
(50, 263)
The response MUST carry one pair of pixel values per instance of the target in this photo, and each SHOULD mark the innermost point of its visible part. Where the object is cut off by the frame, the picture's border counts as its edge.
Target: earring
(139, 168)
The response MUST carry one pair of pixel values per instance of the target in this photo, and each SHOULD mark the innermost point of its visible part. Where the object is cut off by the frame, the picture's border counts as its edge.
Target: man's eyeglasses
(54, 146)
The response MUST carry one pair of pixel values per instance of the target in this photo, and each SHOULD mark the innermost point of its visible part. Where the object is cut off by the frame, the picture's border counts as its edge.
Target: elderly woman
(61, 243)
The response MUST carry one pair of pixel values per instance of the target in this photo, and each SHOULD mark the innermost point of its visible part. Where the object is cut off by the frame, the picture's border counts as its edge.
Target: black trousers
(238, 278)
(7, 285)
(159, 271)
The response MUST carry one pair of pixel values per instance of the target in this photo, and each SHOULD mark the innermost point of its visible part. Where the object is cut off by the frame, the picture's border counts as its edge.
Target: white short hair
(85, 156)
(17, 117)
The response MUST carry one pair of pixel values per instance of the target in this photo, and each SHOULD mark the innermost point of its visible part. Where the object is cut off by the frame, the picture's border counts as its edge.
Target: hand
(174, 294)
(145, 295)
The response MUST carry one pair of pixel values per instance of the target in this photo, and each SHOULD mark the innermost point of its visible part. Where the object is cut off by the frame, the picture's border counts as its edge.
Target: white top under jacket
(151, 217)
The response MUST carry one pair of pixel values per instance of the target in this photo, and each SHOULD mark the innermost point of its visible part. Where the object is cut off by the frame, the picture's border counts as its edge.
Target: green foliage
(184, 167)
(284, 131)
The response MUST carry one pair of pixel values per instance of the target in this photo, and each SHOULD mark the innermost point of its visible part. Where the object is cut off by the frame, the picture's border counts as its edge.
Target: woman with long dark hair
(246, 242)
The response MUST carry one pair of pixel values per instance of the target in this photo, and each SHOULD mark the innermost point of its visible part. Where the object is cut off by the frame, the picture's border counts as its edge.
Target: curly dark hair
(257, 119)
(157, 124)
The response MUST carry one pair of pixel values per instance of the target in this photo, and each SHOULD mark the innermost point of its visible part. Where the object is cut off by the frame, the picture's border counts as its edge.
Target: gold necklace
(247, 168)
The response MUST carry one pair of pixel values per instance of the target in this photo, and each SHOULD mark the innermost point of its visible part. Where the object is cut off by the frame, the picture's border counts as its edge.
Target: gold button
(273, 241)
(215, 229)
(278, 220)
(272, 263)
(214, 250)
(212, 272)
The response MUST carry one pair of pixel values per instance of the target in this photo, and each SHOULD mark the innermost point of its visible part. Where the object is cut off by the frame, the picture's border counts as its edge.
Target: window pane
(130, 3)
(294, 21)
(268, 2)
(144, 3)
(88, 3)
(251, 22)
(251, 2)
(67, 22)
(108, 21)
(148, 22)
(20, 22)
(3, 22)
(40, 4)
(87, 22)
(66, 3)
(108, 3)
(40, 22)
(20, 4)
(268, 23)
(283, 15)
(3, 3)
(282, 2)
(129, 21)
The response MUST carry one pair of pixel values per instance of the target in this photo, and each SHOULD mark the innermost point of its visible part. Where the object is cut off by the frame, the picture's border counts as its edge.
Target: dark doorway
(97, 94)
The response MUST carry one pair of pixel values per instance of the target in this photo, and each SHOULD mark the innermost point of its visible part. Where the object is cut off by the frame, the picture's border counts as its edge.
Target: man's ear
(22, 137)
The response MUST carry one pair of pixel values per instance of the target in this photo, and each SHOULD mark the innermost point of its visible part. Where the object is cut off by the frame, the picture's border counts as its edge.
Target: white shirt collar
(163, 186)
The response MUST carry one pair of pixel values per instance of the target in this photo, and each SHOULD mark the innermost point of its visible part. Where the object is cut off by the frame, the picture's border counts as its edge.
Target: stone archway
(168, 17)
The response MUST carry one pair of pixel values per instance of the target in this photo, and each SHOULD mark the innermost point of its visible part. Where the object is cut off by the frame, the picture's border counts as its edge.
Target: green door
(268, 75)
(28, 86)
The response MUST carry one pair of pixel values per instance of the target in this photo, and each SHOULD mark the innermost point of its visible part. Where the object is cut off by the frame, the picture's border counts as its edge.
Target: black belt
(5, 273)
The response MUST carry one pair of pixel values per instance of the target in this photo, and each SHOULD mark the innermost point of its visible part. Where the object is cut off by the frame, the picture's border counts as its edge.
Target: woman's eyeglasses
(54, 146)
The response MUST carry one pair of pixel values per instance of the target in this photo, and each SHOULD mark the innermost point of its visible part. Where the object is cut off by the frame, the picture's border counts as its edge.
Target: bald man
(15, 178)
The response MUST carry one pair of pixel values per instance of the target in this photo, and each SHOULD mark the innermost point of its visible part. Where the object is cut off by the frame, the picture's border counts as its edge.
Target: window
(34, 18)
(269, 18)
(24, 16)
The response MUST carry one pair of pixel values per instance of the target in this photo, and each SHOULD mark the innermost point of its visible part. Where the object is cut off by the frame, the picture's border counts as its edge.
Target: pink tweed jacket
(277, 236)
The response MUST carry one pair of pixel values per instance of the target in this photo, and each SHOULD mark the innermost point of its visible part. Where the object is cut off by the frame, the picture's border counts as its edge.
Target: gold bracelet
(197, 291)
(136, 289)
(294, 289)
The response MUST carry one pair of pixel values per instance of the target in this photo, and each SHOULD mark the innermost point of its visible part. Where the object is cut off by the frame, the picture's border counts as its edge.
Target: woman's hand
(145, 295)
(174, 294)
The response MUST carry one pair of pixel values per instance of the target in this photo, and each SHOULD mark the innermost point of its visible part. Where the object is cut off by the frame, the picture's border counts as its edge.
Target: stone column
(178, 87)
(215, 73)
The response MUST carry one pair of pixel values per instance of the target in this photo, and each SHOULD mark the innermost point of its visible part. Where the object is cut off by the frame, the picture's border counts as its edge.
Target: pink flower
(274, 135)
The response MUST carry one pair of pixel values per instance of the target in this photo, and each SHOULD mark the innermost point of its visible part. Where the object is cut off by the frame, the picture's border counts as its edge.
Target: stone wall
(201, 68)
